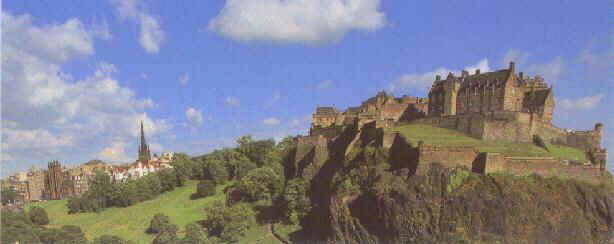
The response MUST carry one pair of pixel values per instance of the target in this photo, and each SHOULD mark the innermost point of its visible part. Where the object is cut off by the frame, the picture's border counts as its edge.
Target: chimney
(520, 74)
(511, 69)
(464, 73)
(437, 77)
(477, 71)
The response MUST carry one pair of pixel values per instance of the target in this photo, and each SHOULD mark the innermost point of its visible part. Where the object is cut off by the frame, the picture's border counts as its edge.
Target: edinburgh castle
(498, 106)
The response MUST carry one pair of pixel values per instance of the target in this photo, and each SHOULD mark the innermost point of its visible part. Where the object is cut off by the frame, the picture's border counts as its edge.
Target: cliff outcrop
(366, 193)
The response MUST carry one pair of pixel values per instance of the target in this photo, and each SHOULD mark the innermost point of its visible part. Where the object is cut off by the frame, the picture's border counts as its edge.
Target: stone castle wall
(548, 167)
(311, 153)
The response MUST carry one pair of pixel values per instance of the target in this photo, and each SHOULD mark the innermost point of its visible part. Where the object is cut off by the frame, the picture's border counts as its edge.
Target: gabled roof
(536, 98)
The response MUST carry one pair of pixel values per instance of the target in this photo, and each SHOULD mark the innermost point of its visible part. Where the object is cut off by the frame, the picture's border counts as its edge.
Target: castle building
(498, 91)
(501, 105)
(144, 153)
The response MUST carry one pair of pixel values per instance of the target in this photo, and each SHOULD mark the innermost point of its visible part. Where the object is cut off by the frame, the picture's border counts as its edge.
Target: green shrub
(228, 223)
(158, 223)
(205, 188)
(456, 179)
(38, 215)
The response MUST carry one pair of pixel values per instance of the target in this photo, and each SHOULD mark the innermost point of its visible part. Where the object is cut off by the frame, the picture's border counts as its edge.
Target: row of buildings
(59, 182)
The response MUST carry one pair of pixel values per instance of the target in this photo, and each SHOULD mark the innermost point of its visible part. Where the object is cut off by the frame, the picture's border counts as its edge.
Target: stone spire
(144, 153)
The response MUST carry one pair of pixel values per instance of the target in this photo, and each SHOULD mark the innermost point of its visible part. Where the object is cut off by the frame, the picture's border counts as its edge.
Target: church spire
(144, 153)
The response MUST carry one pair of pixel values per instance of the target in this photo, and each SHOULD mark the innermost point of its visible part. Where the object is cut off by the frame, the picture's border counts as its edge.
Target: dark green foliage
(255, 151)
(168, 234)
(259, 184)
(8, 195)
(67, 234)
(205, 188)
(215, 170)
(194, 234)
(228, 223)
(294, 202)
(103, 194)
(38, 215)
(158, 223)
(109, 239)
(184, 167)
(17, 227)
(538, 141)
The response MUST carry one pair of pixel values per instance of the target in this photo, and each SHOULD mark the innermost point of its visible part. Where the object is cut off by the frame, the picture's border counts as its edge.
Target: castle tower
(144, 153)
(451, 87)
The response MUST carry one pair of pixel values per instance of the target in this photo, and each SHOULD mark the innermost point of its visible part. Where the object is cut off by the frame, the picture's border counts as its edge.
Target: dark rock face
(368, 198)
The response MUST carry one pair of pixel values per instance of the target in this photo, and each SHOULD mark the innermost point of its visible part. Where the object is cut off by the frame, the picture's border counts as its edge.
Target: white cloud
(550, 70)
(183, 79)
(423, 81)
(143, 76)
(296, 21)
(116, 152)
(233, 101)
(584, 103)
(151, 36)
(324, 84)
(45, 112)
(194, 117)
(271, 121)
(517, 56)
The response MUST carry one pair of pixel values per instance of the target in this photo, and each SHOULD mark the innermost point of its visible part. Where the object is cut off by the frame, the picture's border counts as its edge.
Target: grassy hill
(449, 138)
(130, 223)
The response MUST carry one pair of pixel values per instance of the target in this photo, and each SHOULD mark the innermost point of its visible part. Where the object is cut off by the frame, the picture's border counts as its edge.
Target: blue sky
(77, 76)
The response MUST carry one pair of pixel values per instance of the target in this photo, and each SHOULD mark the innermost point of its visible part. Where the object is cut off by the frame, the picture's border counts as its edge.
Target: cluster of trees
(28, 227)
(102, 193)
(167, 232)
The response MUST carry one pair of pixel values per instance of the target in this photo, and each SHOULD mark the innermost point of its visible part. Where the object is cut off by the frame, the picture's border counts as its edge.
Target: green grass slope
(449, 138)
(130, 223)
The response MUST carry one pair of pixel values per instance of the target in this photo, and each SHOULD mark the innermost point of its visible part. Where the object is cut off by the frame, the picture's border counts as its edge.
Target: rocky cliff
(366, 194)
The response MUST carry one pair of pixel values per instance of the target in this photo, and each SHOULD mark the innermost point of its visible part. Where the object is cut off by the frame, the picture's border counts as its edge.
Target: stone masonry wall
(447, 156)
(311, 153)
(552, 167)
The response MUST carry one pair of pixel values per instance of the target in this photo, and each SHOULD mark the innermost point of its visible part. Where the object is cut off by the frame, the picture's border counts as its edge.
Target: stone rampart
(446, 156)
(311, 153)
(548, 167)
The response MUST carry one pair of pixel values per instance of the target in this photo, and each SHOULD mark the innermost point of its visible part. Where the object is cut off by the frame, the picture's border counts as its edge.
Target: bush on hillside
(38, 215)
(168, 234)
(204, 188)
(259, 184)
(228, 223)
(194, 234)
(158, 223)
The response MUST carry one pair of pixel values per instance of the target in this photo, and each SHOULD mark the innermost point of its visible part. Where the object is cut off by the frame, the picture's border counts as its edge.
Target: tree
(16, 227)
(205, 188)
(228, 223)
(158, 223)
(214, 170)
(294, 202)
(259, 184)
(168, 234)
(194, 235)
(38, 215)
(73, 234)
(8, 195)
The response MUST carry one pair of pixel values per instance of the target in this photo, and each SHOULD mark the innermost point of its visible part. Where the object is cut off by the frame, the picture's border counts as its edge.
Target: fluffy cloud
(518, 56)
(183, 79)
(423, 81)
(296, 21)
(194, 117)
(551, 70)
(271, 121)
(45, 112)
(151, 36)
(584, 103)
(116, 152)
(233, 101)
